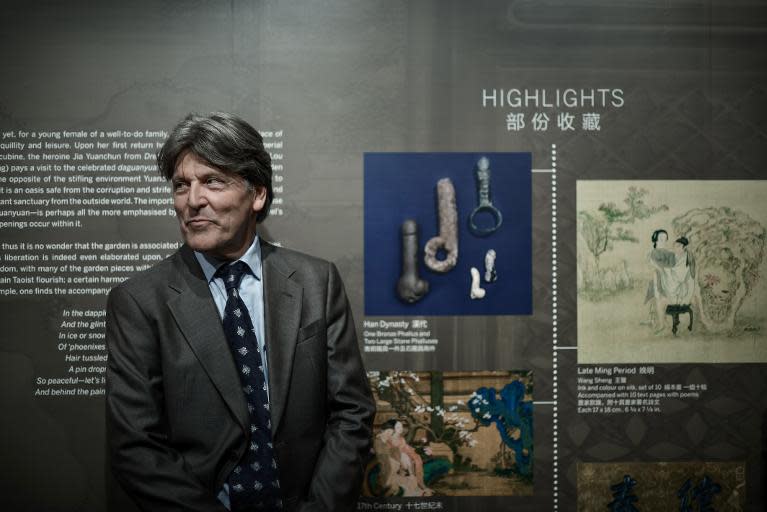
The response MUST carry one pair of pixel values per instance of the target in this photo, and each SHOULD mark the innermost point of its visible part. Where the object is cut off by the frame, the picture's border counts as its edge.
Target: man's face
(216, 210)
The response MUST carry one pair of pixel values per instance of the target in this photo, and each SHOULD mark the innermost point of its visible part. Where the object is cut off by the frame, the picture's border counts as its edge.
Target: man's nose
(196, 198)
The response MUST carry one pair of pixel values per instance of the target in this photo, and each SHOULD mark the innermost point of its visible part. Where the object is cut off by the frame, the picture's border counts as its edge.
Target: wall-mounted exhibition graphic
(452, 434)
(672, 271)
(448, 234)
(571, 188)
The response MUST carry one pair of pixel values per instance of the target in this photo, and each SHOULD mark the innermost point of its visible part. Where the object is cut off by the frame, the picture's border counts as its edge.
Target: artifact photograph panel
(448, 234)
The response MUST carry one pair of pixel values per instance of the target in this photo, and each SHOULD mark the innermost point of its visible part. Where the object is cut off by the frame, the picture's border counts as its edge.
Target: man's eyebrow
(215, 173)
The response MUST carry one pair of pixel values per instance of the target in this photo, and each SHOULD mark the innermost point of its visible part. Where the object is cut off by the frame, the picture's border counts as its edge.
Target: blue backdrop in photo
(401, 186)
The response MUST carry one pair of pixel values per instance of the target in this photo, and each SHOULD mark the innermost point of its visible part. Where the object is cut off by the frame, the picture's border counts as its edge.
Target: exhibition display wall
(550, 219)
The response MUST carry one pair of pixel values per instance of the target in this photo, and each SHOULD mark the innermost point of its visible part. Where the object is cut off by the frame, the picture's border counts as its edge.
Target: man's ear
(259, 198)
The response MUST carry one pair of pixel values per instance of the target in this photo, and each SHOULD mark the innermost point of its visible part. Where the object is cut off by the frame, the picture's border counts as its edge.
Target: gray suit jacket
(177, 420)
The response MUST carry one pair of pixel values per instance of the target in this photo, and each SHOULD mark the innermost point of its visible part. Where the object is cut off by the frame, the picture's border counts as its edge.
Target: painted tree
(602, 228)
(728, 247)
(426, 414)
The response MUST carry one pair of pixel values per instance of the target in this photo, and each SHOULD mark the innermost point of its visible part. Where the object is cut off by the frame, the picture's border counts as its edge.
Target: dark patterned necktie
(254, 483)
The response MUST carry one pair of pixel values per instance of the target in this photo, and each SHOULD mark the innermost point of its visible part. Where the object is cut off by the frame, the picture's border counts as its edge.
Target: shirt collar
(252, 258)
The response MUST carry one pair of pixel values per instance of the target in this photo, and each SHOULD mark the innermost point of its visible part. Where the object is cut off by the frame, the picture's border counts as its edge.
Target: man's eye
(179, 186)
(213, 180)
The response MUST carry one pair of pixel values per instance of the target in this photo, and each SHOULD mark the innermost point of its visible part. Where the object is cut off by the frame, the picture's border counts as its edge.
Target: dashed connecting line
(554, 346)
(555, 384)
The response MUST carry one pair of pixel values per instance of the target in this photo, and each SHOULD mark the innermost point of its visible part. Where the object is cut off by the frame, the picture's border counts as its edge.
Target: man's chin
(199, 243)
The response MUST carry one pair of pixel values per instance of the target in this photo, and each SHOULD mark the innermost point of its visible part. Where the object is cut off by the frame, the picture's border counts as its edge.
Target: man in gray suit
(209, 416)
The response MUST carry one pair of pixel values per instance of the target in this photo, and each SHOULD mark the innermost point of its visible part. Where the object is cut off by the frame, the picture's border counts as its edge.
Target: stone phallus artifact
(447, 240)
(410, 287)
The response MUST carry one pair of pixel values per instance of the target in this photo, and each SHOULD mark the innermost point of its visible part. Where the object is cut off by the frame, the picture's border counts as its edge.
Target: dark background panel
(342, 78)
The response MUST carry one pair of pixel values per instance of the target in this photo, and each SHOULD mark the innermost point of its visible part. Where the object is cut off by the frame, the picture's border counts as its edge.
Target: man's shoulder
(158, 274)
(305, 269)
(292, 257)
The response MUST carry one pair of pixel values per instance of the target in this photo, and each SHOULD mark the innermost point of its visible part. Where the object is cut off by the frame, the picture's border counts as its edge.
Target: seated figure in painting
(401, 465)
(678, 281)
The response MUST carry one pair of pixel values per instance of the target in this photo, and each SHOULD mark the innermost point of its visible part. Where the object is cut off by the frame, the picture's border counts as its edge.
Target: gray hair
(223, 141)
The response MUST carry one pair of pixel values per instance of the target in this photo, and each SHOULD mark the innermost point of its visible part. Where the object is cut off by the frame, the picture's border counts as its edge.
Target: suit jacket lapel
(282, 315)
(198, 319)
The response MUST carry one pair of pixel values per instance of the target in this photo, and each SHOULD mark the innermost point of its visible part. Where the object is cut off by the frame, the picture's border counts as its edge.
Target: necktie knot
(232, 274)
